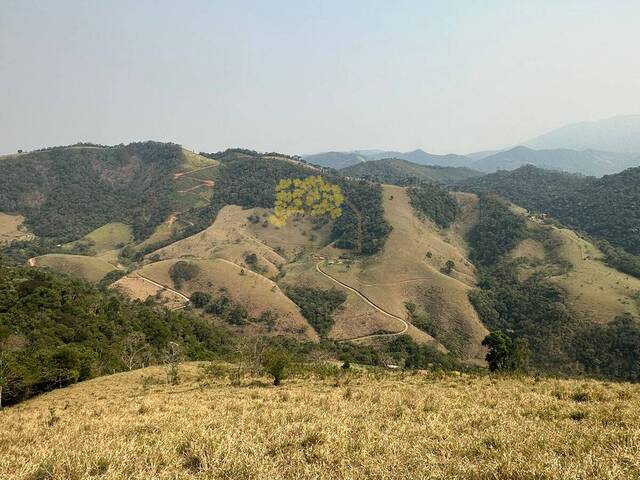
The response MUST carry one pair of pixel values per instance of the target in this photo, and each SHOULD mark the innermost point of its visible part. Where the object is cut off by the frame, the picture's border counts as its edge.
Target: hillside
(323, 424)
(404, 272)
(139, 185)
(586, 162)
(607, 208)
(340, 160)
(397, 172)
(424, 158)
(417, 264)
(335, 160)
(617, 134)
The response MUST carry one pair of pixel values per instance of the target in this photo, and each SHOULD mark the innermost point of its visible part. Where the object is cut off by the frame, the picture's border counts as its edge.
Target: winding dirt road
(184, 297)
(405, 324)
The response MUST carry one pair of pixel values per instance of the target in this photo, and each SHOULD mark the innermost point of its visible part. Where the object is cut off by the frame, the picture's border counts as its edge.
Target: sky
(309, 76)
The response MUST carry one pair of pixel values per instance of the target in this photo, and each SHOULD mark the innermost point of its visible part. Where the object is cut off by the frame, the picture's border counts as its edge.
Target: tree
(506, 354)
(200, 299)
(276, 363)
(171, 359)
(448, 267)
(133, 346)
(183, 271)
(5, 374)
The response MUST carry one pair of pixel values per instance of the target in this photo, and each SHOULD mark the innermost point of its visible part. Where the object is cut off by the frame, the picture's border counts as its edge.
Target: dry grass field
(10, 228)
(595, 292)
(404, 272)
(138, 288)
(252, 290)
(354, 425)
(92, 269)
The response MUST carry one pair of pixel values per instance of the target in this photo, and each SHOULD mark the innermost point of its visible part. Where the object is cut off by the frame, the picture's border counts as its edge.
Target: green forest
(66, 193)
(605, 208)
(55, 330)
(536, 309)
(435, 203)
(395, 171)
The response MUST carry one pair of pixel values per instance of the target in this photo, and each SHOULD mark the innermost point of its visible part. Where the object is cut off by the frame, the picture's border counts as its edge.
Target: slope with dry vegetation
(324, 423)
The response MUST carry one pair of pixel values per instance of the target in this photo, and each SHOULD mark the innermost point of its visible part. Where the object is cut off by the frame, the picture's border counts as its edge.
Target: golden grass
(138, 288)
(403, 272)
(192, 161)
(595, 292)
(92, 269)
(11, 228)
(363, 424)
(227, 238)
(252, 290)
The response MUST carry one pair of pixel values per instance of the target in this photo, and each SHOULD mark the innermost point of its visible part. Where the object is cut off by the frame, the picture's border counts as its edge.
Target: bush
(317, 305)
(276, 363)
(200, 299)
(183, 271)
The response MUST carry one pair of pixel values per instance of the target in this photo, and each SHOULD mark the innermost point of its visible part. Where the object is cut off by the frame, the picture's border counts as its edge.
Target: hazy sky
(306, 76)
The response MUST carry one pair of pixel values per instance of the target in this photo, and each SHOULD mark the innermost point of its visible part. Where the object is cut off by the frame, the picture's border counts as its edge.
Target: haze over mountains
(619, 134)
(589, 148)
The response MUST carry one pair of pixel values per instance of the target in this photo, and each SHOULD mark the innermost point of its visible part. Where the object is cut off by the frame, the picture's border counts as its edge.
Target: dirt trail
(184, 297)
(369, 302)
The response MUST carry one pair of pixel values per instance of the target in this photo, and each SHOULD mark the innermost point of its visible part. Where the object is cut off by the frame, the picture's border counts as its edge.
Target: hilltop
(616, 134)
(398, 172)
(339, 160)
(607, 207)
(412, 274)
(324, 423)
(586, 162)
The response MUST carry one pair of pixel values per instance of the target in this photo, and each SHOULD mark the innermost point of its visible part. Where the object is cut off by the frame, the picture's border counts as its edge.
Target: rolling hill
(324, 423)
(336, 160)
(137, 184)
(608, 207)
(397, 171)
(617, 134)
(340, 160)
(586, 162)
(420, 266)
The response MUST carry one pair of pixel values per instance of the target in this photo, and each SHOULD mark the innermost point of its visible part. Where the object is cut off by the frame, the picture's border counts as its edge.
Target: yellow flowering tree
(311, 195)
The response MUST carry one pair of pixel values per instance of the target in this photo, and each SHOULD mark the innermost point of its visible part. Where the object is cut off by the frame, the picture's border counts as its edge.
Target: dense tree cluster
(183, 271)
(435, 203)
(362, 225)
(55, 330)
(611, 350)
(607, 207)
(66, 193)
(317, 305)
(498, 231)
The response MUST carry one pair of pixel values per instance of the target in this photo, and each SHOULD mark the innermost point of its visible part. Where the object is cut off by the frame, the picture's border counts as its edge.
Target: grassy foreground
(359, 424)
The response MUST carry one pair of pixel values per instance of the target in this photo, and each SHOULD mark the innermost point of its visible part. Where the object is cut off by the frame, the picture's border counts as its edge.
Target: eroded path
(405, 324)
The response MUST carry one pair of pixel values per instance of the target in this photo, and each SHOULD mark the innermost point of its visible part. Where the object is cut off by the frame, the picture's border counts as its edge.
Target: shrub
(276, 363)
(183, 271)
(200, 299)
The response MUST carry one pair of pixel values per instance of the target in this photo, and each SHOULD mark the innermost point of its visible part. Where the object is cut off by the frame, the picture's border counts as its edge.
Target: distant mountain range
(589, 148)
(587, 162)
(619, 134)
(400, 172)
(339, 160)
